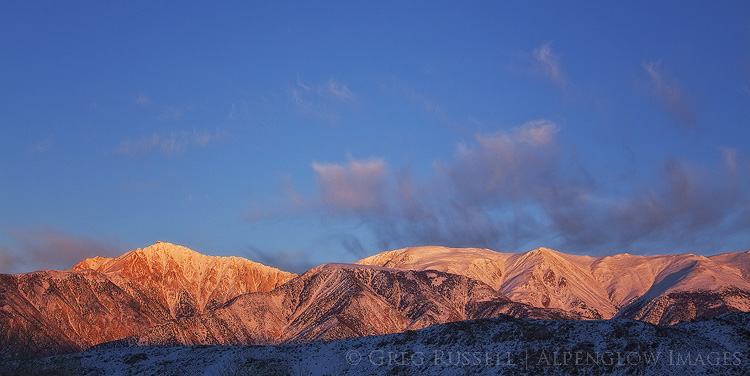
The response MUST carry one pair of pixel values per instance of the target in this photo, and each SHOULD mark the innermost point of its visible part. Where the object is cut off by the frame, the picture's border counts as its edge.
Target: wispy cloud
(52, 248)
(520, 187)
(730, 159)
(336, 90)
(687, 207)
(671, 95)
(142, 100)
(171, 144)
(354, 187)
(324, 102)
(423, 102)
(547, 64)
(506, 164)
(459, 205)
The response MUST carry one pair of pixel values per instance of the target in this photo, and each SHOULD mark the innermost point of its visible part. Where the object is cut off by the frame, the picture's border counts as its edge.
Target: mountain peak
(178, 295)
(170, 251)
(536, 257)
(167, 248)
(184, 280)
(542, 251)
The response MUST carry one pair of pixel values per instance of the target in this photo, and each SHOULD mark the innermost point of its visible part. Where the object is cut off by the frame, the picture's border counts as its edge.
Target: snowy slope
(546, 278)
(667, 289)
(335, 301)
(499, 346)
(169, 295)
(541, 278)
(629, 277)
(737, 260)
(184, 280)
(479, 264)
(650, 288)
(105, 299)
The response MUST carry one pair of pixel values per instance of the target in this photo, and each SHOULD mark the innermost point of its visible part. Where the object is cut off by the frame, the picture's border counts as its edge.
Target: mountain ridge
(106, 299)
(189, 281)
(167, 294)
(595, 287)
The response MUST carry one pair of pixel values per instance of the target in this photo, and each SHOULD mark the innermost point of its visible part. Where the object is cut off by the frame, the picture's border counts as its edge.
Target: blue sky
(298, 133)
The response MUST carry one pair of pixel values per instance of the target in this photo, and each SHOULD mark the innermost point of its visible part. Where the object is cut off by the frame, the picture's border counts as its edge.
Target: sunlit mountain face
(661, 289)
(166, 295)
(448, 179)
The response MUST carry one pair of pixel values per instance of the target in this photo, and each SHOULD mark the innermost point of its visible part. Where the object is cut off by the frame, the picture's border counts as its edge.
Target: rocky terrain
(494, 346)
(104, 299)
(336, 301)
(661, 289)
(169, 295)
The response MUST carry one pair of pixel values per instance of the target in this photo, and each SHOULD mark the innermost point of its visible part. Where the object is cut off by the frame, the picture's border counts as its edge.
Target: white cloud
(520, 187)
(548, 65)
(357, 186)
(507, 164)
(336, 90)
(324, 102)
(172, 144)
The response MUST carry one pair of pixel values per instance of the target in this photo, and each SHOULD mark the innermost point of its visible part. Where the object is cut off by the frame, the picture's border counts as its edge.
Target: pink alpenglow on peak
(622, 285)
(184, 280)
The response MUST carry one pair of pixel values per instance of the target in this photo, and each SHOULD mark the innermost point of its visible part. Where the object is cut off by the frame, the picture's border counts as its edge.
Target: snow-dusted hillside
(51, 311)
(335, 301)
(170, 295)
(497, 346)
(184, 280)
(105, 299)
(738, 260)
(649, 288)
(541, 278)
(479, 264)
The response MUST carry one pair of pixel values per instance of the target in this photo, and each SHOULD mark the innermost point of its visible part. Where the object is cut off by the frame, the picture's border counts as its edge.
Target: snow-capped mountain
(335, 301)
(170, 295)
(684, 287)
(541, 278)
(662, 289)
(183, 280)
(104, 299)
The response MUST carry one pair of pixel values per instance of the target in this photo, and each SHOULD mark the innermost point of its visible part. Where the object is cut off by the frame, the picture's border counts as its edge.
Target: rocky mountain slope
(102, 299)
(495, 346)
(184, 281)
(336, 301)
(663, 289)
(169, 295)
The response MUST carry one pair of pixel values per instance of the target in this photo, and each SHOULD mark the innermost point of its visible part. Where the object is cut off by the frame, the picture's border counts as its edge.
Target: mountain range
(661, 289)
(167, 294)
